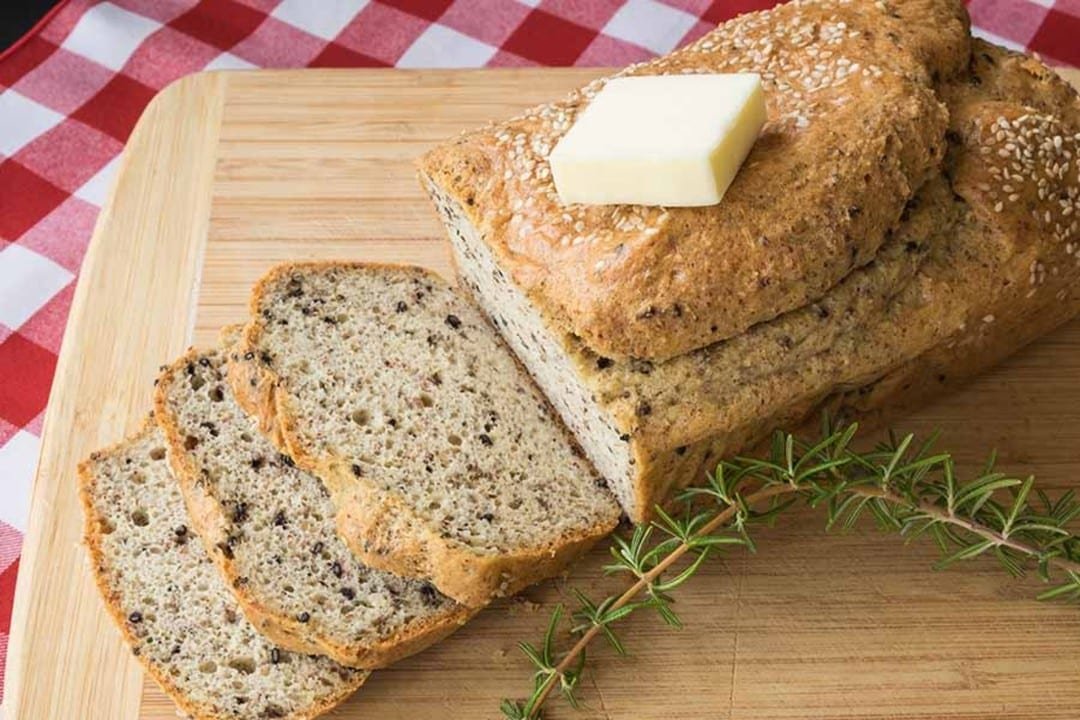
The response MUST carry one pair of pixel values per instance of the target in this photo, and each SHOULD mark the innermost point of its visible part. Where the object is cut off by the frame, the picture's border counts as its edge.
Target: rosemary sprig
(906, 487)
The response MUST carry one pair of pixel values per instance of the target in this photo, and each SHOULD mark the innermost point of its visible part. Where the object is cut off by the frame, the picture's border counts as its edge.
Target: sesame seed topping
(1037, 157)
(808, 67)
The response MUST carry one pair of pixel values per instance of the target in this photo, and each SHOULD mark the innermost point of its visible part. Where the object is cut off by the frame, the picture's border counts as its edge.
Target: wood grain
(228, 174)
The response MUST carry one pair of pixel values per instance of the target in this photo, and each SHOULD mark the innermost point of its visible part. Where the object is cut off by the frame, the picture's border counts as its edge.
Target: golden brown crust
(854, 144)
(378, 528)
(92, 531)
(1006, 85)
(212, 526)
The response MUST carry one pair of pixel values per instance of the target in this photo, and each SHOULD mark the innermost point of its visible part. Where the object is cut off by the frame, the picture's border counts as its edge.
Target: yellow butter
(673, 140)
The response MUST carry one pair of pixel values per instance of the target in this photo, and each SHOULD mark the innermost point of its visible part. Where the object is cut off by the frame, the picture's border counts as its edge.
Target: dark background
(18, 16)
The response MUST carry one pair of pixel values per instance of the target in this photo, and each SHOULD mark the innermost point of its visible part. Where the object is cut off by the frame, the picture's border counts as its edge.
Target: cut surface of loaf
(173, 607)
(983, 261)
(854, 129)
(442, 457)
(270, 527)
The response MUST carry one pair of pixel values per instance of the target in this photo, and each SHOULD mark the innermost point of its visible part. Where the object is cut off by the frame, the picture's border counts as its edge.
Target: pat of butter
(674, 140)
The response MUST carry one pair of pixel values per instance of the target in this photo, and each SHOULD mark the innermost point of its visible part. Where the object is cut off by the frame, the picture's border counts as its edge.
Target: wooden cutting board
(227, 174)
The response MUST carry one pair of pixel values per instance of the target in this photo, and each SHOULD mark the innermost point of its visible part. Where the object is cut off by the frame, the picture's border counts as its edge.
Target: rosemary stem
(643, 582)
(943, 515)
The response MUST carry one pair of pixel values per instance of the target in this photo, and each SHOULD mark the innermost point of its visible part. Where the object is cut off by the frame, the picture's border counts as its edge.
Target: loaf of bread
(270, 528)
(444, 460)
(908, 217)
(173, 608)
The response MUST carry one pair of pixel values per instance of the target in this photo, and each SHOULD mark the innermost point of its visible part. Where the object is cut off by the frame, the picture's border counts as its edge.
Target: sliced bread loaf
(982, 261)
(172, 606)
(270, 528)
(442, 457)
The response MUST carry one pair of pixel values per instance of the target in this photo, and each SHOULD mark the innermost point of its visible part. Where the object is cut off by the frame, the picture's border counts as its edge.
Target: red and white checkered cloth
(71, 91)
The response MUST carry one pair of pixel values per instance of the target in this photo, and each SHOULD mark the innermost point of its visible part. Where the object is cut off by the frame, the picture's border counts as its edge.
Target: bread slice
(270, 528)
(172, 606)
(443, 459)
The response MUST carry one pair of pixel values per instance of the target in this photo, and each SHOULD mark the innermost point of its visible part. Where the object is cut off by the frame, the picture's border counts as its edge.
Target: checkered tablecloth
(71, 91)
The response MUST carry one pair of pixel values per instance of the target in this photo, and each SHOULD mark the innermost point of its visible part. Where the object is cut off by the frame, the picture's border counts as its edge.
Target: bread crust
(92, 532)
(380, 530)
(205, 513)
(634, 281)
